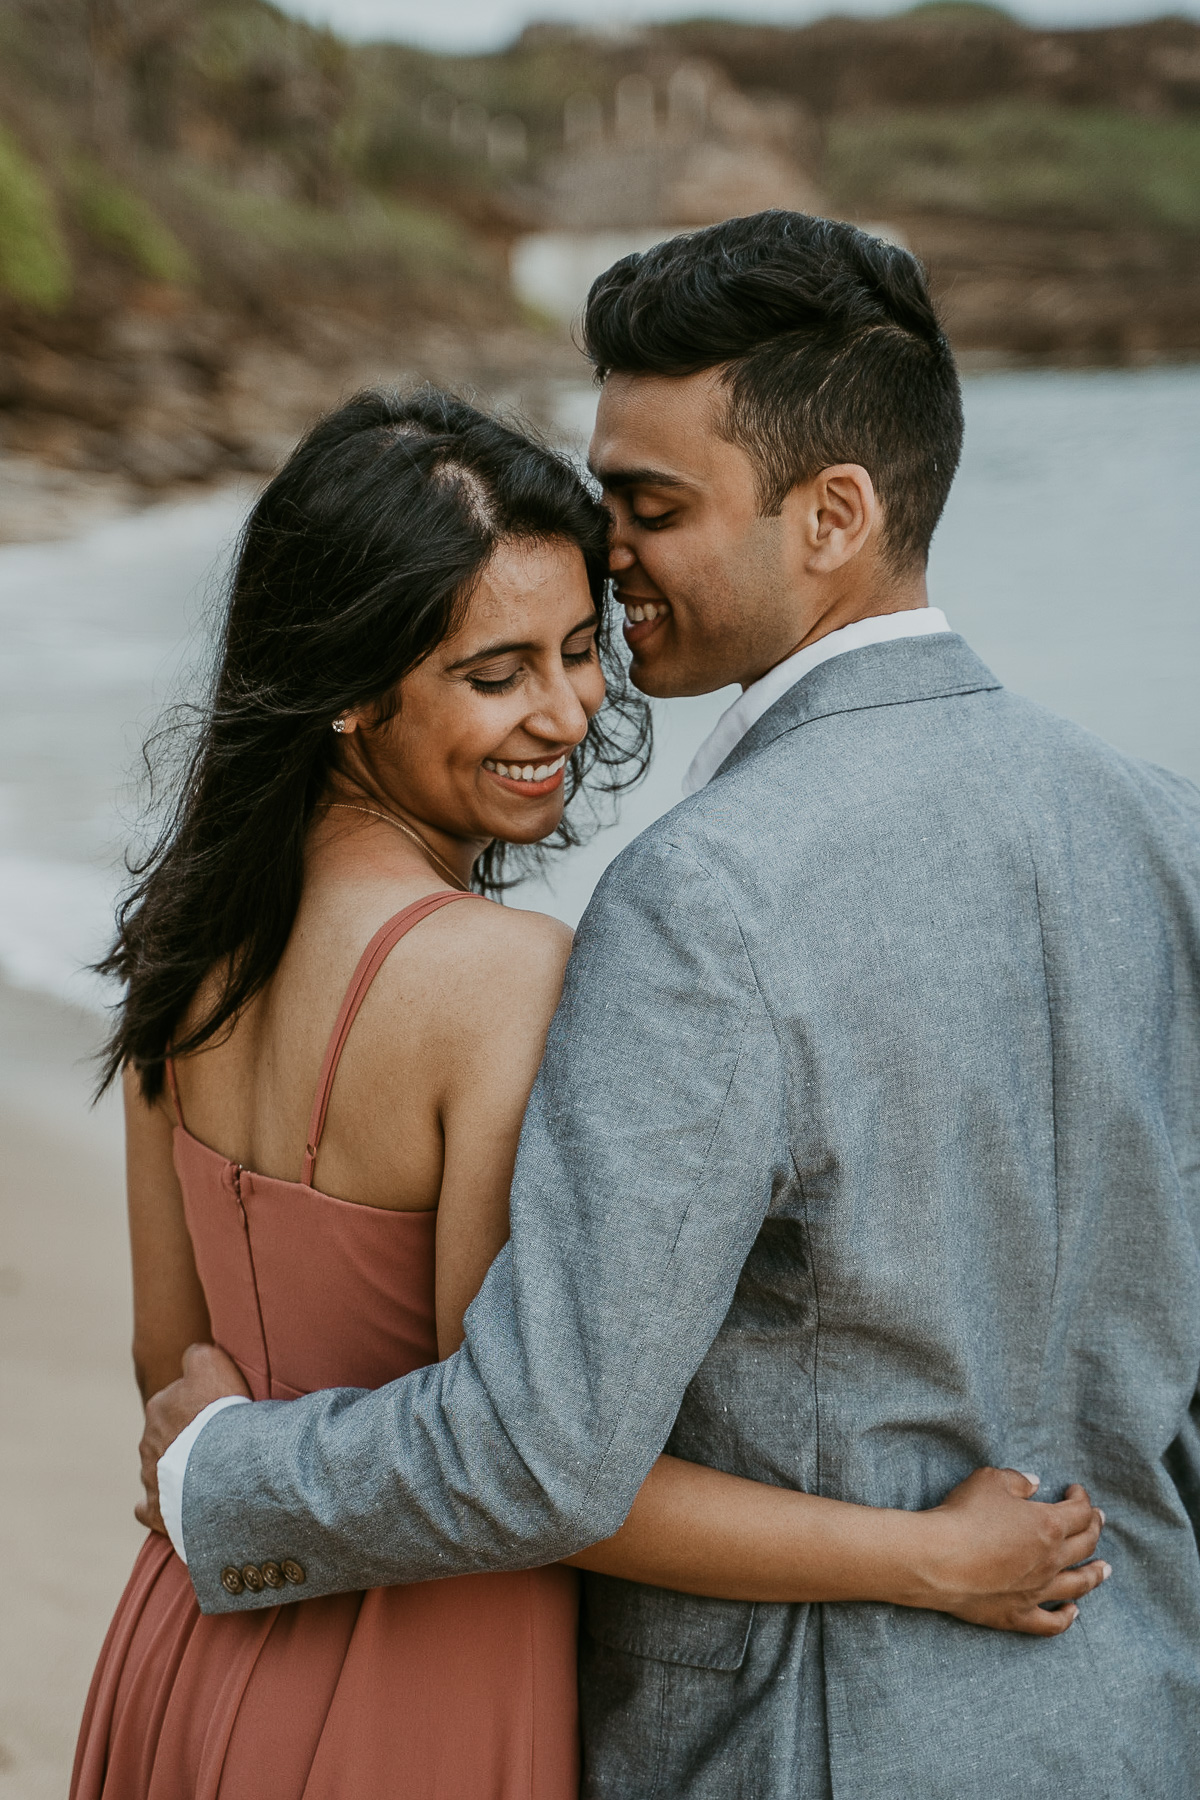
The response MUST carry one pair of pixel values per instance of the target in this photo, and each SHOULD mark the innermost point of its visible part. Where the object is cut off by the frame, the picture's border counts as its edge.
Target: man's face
(709, 585)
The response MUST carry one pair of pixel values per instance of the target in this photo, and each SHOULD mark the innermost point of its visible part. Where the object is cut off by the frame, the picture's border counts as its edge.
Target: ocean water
(1067, 557)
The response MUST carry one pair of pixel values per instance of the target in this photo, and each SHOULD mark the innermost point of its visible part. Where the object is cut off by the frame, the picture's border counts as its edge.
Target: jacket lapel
(888, 674)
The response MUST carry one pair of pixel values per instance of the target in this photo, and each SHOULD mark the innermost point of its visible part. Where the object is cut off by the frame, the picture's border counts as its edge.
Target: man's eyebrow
(627, 478)
(506, 649)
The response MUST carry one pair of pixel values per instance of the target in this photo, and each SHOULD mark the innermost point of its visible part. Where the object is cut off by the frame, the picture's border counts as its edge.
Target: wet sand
(69, 1411)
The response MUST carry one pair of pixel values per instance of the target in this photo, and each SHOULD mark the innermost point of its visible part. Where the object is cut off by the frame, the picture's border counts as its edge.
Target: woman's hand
(999, 1558)
(208, 1375)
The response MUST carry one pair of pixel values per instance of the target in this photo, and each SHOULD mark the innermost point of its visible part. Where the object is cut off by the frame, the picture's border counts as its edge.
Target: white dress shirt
(729, 730)
(172, 1466)
(732, 726)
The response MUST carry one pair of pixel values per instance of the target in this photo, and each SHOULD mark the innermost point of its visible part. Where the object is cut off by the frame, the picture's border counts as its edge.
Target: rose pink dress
(462, 1689)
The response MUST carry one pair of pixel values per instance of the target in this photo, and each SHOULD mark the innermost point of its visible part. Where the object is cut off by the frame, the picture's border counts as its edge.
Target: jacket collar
(889, 674)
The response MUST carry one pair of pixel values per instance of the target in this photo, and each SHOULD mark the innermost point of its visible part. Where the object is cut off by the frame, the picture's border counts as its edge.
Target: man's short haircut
(829, 347)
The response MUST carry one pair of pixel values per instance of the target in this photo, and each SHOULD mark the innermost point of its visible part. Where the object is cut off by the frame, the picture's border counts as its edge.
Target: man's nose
(620, 556)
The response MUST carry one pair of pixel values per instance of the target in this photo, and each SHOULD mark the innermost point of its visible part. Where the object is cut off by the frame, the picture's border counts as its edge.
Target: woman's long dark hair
(354, 565)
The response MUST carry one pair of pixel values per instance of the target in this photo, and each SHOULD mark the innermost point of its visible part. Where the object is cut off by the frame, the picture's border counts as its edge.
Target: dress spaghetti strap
(369, 964)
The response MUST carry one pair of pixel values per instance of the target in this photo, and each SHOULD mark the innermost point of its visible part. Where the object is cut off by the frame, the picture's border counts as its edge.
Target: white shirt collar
(735, 722)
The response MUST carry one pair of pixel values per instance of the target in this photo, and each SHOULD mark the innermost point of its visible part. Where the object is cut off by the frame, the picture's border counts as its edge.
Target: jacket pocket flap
(666, 1626)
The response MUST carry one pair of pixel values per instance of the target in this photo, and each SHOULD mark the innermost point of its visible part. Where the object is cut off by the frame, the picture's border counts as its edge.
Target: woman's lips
(530, 779)
(643, 618)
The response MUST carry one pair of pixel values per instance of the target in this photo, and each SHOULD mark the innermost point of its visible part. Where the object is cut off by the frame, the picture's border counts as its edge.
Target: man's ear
(841, 511)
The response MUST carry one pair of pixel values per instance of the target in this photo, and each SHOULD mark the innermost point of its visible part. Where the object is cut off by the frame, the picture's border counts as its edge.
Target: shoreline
(70, 1417)
(58, 473)
(44, 502)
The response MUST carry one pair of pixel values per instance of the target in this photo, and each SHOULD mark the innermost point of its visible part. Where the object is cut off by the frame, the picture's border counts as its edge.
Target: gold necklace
(416, 837)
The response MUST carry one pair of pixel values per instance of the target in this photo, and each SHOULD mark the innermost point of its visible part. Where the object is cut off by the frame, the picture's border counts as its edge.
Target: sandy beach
(69, 1411)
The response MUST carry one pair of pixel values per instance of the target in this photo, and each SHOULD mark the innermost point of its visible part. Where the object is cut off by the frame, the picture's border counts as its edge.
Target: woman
(321, 1135)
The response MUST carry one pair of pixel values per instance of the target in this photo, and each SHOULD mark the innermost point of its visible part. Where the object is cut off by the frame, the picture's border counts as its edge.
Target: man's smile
(643, 618)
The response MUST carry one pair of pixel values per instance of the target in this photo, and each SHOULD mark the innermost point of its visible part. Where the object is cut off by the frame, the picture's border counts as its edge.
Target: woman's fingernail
(1100, 1511)
(1034, 1480)
(1105, 1571)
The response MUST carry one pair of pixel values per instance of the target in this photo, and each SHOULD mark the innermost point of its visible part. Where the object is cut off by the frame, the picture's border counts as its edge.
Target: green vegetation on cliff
(1020, 161)
(35, 269)
(118, 219)
(221, 148)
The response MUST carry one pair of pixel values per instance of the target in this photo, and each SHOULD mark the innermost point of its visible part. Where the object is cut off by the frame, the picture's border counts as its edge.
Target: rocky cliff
(213, 218)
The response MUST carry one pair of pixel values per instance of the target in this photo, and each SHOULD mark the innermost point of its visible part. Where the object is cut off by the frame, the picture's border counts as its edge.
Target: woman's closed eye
(580, 648)
(484, 683)
(502, 675)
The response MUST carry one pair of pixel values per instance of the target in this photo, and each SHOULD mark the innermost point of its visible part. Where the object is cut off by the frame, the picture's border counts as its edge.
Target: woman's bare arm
(497, 996)
(986, 1554)
(169, 1310)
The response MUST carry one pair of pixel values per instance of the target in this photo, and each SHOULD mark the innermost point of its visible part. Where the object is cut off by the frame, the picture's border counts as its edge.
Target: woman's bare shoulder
(472, 963)
(471, 984)
(499, 943)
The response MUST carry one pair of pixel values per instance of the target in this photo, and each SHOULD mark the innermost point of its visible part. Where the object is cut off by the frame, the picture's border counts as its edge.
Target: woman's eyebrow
(507, 649)
(488, 650)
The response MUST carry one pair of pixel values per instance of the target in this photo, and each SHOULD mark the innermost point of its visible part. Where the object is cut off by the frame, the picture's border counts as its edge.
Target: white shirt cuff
(172, 1467)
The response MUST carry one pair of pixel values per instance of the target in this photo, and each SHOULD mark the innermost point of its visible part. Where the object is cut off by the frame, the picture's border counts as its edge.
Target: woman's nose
(562, 717)
(620, 556)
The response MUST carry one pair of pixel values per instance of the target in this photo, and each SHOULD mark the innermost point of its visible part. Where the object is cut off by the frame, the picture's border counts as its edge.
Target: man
(866, 1147)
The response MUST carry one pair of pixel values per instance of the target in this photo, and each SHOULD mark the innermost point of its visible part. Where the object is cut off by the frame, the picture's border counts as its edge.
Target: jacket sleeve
(652, 1142)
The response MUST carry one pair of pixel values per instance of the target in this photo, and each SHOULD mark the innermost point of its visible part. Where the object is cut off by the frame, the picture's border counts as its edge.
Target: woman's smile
(529, 779)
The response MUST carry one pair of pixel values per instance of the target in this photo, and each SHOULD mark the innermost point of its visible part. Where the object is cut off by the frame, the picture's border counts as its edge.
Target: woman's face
(487, 722)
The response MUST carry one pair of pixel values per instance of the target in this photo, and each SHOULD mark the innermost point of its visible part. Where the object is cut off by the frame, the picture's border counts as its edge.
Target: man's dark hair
(830, 349)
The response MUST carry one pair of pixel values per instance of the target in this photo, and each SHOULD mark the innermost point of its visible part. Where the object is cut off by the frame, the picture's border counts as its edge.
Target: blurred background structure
(217, 216)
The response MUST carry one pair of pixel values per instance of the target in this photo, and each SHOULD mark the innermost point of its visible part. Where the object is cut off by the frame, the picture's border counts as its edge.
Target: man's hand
(208, 1375)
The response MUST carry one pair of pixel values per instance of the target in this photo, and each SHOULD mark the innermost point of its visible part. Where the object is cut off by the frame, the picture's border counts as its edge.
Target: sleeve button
(231, 1581)
(273, 1575)
(293, 1571)
(252, 1576)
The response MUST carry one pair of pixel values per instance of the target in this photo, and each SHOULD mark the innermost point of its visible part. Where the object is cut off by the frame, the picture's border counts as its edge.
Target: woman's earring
(339, 725)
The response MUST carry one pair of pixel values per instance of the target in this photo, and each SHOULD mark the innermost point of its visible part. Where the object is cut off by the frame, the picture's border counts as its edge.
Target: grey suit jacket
(866, 1149)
